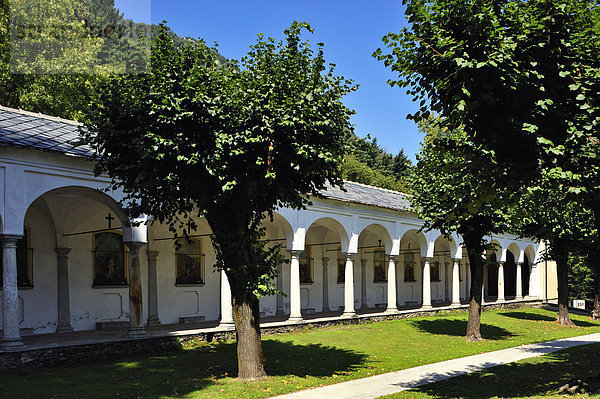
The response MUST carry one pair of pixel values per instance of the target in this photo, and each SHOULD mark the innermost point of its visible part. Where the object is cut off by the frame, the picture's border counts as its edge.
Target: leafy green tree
(581, 278)
(452, 192)
(521, 79)
(228, 142)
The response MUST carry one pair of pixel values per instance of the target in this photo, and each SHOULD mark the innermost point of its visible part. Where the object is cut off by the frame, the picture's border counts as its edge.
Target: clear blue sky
(350, 29)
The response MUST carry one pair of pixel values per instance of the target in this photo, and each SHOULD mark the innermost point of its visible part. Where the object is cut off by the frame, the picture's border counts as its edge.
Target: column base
(11, 344)
(137, 332)
(349, 314)
(426, 307)
(63, 329)
(501, 300)
(154, 321)
(295, 319)
(227, 324)
(391, 310)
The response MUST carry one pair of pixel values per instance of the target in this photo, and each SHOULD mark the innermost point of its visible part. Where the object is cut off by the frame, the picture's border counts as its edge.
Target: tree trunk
(561, 256)
(246, 316)
(596, 268)
(232, 243)
(474, 322)
(474, 250)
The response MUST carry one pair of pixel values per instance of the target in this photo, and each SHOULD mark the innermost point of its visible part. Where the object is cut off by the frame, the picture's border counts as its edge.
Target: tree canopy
(228, 142)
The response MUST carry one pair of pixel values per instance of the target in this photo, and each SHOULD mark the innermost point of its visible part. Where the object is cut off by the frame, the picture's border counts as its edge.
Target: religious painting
(379, 266)
(409, 267)
(109, 259)
(306, 266)
(24, 261)
(435, 270)
(341, 266)
(189, 262)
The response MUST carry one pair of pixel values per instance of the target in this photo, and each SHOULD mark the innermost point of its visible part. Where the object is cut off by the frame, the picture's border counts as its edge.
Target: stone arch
(379, 231)
(284, 226)
(331, 225)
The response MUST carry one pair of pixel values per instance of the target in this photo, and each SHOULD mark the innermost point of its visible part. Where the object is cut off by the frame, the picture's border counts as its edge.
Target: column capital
(519, 263)
(501, 262)
(458, 260)
(294, 252)
(63, 251)
(325, 260)
(9, 240)
(363, 261)
(134, 246)
(349, 255)
(152, 254)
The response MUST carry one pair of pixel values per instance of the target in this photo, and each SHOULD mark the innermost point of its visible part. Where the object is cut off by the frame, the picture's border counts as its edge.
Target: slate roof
(25, 129)
(368, 195)
(20, 128)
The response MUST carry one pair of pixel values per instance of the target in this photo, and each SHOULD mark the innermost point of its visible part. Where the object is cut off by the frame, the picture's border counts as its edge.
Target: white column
(325, 285)
(363, 283)
(426, 283)
(64, 307)
(456, 282)
(501, 281)
(295, 305)
(153, 319)
(519, 282)
(136, 321)
(10, 295)
(392, 306)
(349, 287)
(226, 307)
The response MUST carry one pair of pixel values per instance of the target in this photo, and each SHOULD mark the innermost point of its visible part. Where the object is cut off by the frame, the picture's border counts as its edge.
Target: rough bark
(474, 321)
(246, 316)
(475, 250)
(232, 241)
(561, 256)
(596, 268)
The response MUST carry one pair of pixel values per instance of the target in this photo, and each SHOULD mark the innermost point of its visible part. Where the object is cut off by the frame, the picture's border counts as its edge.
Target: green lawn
(531, 378)
(294, 361)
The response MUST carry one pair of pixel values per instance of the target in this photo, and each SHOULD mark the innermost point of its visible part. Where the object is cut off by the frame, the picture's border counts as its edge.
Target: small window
(109, 259)
(189, 262)
(379, 266)
(341, 266)
(24, 261)
(306, 266)
(409, 267)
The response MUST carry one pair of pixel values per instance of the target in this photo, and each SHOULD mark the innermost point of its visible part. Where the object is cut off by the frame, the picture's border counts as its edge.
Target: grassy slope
(531, 378)
(295, 360)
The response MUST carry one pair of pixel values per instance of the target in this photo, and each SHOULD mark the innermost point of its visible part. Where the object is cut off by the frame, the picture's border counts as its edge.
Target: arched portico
(378, 268)
(328, 243)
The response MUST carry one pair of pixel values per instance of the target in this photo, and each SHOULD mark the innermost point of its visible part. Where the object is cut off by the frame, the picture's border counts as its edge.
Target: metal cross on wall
(110, 218)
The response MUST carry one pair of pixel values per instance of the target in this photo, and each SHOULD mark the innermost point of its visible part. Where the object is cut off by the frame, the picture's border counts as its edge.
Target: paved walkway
(389, 383)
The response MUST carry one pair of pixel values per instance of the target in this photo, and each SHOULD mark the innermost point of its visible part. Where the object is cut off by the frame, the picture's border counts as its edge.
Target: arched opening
(491, 269)
(410, 271)
(73, 257)
(510, 275)
(326, 242)
(525, 273)
(374, 244)
(441, 269)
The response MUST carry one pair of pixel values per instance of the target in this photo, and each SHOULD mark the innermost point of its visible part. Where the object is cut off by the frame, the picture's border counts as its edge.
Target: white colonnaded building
(72, 262)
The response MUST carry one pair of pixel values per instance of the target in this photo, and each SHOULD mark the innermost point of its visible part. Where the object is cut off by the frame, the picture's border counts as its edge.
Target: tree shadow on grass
(458, 328)
(177, 374)
(540, 317)
(536, 377)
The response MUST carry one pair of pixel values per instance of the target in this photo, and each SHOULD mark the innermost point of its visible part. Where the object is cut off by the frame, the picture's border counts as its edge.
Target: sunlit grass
(294, 361)
(531, 378)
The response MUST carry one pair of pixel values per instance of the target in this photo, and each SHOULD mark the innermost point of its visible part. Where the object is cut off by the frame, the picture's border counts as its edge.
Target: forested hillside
(42, 74)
